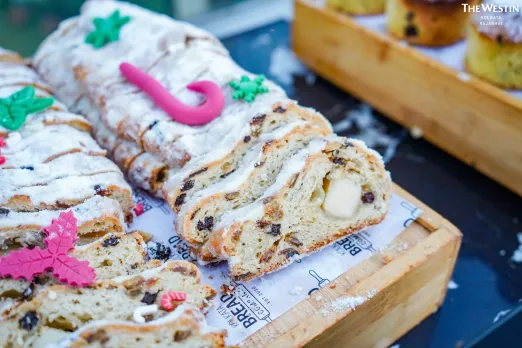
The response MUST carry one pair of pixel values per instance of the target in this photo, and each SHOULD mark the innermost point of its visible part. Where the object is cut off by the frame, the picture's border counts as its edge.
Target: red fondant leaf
(25, 263)
(73, 271)
(61, 234)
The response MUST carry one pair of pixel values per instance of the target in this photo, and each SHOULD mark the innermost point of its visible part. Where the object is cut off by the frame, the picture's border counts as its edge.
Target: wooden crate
(409, 280)
(473, 120)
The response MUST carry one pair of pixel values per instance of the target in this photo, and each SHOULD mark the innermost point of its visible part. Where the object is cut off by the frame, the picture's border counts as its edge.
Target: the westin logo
(491, 8)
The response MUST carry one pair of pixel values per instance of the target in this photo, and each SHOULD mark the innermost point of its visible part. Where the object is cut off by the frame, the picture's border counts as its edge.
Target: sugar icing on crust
(48, 144)
(507, 27)
(63, 192)
(74, 164)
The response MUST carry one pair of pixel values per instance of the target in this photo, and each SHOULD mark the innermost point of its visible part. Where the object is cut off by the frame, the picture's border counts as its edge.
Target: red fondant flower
(61, 235)
(139, 209)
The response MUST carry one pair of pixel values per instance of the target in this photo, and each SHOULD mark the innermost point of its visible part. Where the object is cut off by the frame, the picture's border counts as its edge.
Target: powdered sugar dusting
(517, 254)
(452, 285)
(284, 65)
(348, 302)
(501, 314)
(369, 130)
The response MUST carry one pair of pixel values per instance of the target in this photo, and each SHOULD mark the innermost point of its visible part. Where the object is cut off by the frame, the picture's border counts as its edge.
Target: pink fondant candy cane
(171, 296)
(179, 112)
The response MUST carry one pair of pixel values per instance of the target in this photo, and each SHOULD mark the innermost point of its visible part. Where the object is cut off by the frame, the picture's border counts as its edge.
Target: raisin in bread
(184, 327)
(96, 216)
(176, 54)
(112, 256)
(331, 188)
(256, 171)
(67, 308)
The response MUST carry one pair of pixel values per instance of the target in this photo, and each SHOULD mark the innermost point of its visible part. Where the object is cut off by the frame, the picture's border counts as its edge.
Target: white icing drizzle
(73, 188)
(230, 140)
(75, 164)
(140, 312)
(254, 211)
(147, 274)
(93, 209)
(245, 168)
(50, 142)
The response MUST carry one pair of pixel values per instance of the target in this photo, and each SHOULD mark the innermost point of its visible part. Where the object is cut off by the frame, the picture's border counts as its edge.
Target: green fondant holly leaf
(15, 108)
(106, 30)
(248, 89)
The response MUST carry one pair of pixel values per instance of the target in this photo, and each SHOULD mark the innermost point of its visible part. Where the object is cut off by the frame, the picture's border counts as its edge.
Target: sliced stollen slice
(74, 164)
(256, 171)
(207, 169)
(184, 327)
(67, 192)
(46, 145)
(331, 188)
(114, 255)
(68, 308)
(96, 216)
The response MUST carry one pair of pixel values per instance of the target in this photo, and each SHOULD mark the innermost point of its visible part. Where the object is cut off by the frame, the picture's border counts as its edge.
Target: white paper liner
(451, 56)
(256, 303)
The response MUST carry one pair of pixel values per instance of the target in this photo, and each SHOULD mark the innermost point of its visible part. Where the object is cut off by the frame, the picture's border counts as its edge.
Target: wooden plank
(408, 279)
(474, 120)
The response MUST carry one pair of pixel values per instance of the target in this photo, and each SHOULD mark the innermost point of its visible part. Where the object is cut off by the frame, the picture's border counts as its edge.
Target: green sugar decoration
(106, 30)
(248, 89)
(15, 108)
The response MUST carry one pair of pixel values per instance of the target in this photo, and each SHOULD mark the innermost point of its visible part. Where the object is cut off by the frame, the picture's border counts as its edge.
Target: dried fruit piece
(275, 230)
(187, 185)
(368, 198)
(149, 298)
(158, 251)
(112, 241)
(207, 224)
(28, 321)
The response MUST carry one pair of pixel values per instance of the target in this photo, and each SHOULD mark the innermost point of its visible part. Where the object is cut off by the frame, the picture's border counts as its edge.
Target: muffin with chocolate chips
(495, 48)
(428, 22)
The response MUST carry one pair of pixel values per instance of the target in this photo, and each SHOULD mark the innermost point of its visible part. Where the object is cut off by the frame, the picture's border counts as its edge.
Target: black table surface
(489, 215)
